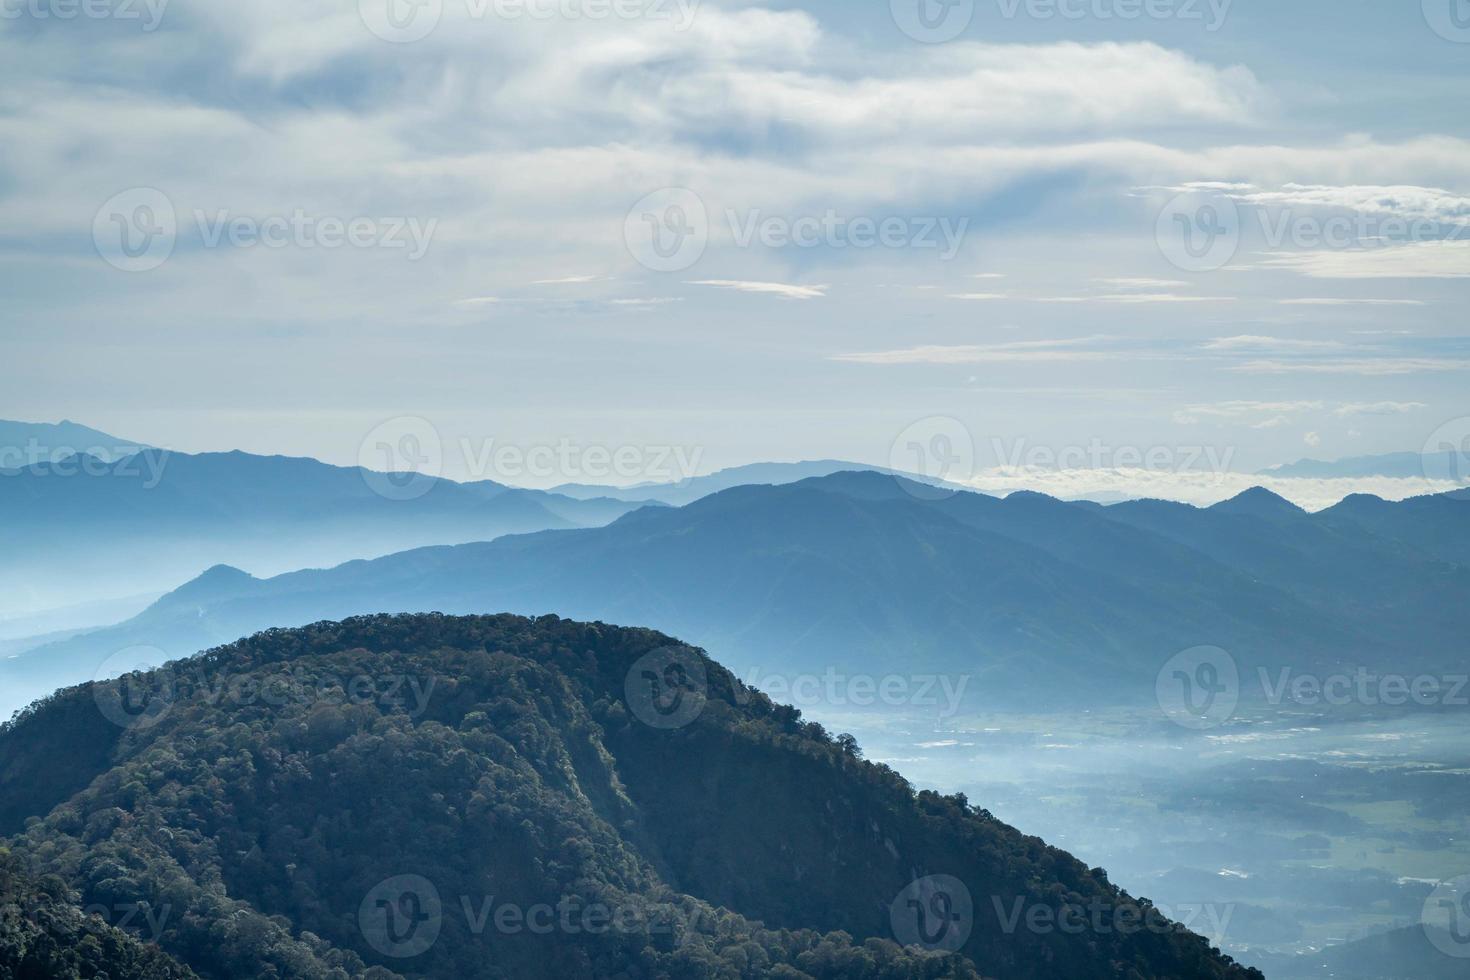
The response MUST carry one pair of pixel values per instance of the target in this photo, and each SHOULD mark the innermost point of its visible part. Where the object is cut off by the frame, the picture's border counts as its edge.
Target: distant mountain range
(492, 797)
(1038, 600)
(1448, 465)
(754, 474)
(81, 529)
(25, 444)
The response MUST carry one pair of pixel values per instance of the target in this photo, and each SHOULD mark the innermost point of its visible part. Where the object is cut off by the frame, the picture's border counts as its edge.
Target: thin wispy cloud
(1259, 413)
(782, 289)
(1412, 260)
(572, 280)
(1378, 408)
(1033, 351)
(1129, 299)
(1342, 301)
(1366, 367)
(649, 301)
(1247, 342)
(1140, 283)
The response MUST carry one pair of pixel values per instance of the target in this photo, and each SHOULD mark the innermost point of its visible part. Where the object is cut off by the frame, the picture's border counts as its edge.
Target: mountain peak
(216, 582)
(1259, 502)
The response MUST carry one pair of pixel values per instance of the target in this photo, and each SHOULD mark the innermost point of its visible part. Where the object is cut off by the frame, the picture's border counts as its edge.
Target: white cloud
(1248, 342)
(1312, 439)
(1258, 414)
(1340, 301)
(771, 288)
(978, 296)
(1366, 367)
(572, 280)
(1136, 298)
(1141, 283)
(1378, 408)
(1411, 260)
(1015, 352)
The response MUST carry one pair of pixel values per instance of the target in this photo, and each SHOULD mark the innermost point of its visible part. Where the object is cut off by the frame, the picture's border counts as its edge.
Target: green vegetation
(498, 761)
(43, 933)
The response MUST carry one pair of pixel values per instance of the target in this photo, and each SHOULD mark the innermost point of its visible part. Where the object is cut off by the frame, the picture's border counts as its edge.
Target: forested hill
(497, 797)
(44, 933)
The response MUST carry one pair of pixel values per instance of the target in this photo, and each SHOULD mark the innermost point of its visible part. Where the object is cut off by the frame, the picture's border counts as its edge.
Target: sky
(953, 235)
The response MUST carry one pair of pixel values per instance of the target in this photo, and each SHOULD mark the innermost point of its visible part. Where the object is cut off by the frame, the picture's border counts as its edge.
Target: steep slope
(414, 777)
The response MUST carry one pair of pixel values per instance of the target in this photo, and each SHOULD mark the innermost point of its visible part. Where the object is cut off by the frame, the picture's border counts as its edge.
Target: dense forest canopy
(433, 796)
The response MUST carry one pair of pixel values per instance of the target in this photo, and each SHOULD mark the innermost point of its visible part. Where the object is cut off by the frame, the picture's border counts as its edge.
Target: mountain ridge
(265, 824)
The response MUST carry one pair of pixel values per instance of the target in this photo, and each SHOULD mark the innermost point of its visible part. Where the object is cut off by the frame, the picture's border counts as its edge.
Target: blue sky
(335, 221)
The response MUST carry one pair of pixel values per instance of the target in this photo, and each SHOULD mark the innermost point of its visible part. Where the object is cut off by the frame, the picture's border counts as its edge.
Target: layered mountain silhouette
(25, 444)
(1033, 597)
(81, 528)
(683, 492)
(497, 797)
(1448, 463)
